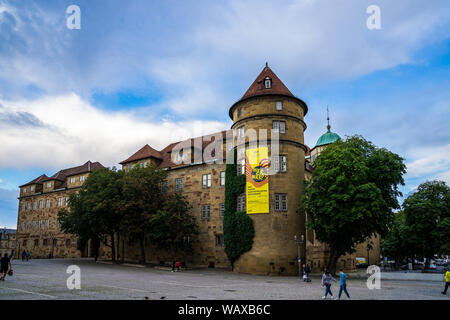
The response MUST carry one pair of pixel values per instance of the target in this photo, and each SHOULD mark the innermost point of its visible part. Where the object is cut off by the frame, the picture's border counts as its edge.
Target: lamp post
(186, 240)
(299, 242)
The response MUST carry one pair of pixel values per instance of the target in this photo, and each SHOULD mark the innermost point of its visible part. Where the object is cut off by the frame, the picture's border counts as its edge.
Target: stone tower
(268, 104)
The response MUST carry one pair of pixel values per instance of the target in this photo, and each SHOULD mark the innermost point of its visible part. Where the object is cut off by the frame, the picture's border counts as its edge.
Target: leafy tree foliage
(94, 210)
(238, 230)
(396, 244)
(142, 197)
(352, 194)
(172, 226)
(131, 204)
(427, 216)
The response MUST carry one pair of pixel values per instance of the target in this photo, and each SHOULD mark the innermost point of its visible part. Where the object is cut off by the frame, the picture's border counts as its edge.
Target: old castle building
(269, 105)
(40, 200)
(267, 108)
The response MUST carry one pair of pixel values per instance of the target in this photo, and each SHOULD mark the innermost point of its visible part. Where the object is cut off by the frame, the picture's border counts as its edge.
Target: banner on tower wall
(257, 180)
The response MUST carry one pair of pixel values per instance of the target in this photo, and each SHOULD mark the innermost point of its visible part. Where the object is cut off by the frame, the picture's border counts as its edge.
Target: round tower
(268, 104)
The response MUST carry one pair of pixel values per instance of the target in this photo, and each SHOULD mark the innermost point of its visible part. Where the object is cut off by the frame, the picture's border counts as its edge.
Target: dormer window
(180, 156)
(267, 83)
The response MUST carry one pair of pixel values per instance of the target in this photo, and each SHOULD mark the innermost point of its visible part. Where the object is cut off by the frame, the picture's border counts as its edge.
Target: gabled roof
(38, 180)
(258, 88)
(144, 153)
(63, 174)
(165, 155)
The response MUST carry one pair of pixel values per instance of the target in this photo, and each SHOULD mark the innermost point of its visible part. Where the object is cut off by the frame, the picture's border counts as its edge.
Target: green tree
(95, 211)
(172, 226)
(427, 216)
(351, 194)
(238, 229)
(142, 198)
(396, 245)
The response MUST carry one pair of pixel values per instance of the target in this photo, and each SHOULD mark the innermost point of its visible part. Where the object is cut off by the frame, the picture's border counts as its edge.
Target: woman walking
(326, 282)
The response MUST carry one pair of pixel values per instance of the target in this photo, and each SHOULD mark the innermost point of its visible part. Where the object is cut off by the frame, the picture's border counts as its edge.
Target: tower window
(239, 112)
(268, 83)
(279, 105)
(279, 126)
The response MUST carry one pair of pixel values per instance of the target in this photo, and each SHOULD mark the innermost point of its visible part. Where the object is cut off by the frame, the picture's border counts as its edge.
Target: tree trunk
(118, 246)
(427, 263)
(113, 248)
(333, 260)
(123, 250)
(142, 245)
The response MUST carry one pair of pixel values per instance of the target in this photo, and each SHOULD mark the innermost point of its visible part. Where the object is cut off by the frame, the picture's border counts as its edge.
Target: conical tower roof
(258, 88)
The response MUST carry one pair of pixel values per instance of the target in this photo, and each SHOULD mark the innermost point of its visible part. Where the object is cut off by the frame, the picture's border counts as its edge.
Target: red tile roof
(63, 174)
(35, 181)
(258, 88)
(144, 153)
(166, 153)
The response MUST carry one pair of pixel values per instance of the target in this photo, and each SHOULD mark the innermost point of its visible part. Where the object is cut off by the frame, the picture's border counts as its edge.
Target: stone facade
(40, 200)
(7, 242)
(267, 105)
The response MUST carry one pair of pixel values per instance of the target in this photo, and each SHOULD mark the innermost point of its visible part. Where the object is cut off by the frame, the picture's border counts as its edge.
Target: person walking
(447, 280)
(342, 283)
(327, 278)
(178, 264)
(307, 271)
(24, 254)
(5, 266)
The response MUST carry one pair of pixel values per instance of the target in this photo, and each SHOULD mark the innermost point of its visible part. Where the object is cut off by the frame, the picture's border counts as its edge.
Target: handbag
(10, 272)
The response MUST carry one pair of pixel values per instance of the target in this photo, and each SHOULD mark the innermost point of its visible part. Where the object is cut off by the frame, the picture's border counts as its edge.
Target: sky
(157, 72)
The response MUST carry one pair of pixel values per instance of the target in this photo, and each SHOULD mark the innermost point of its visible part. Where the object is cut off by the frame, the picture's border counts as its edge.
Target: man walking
(342, 283)
(5, 266)
(447, 280)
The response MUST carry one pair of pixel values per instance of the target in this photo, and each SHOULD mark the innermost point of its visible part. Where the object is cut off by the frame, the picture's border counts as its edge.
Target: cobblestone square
(46, 279)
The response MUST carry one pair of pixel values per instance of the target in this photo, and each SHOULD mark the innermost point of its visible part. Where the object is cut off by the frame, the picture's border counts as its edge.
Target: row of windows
(280, 204)
(40, 224)
(206, 182)
(279, 107)
(279, 163)
(46, 242)
(49, 184)
(40, 204)
(277, 126)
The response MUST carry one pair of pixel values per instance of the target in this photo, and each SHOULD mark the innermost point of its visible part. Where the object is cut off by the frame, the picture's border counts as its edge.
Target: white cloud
(65, 130)
(428, 161)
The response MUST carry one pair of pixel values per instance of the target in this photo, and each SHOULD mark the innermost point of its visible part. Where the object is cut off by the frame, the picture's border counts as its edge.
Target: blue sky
(155, 72)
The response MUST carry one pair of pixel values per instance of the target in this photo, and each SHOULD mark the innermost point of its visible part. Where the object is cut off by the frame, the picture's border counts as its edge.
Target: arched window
(268, 83)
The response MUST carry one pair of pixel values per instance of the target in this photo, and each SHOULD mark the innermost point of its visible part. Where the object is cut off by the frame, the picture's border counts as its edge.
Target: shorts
(3, 269)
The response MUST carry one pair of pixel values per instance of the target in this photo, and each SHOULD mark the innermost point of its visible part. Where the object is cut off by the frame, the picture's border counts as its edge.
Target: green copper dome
(327, 138)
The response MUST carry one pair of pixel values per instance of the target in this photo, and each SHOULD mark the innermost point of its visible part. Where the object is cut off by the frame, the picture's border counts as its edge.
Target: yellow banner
(257, 180)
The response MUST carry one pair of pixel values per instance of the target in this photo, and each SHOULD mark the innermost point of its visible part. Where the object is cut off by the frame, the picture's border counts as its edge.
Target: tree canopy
(424, 228)
(352, 193)
(130, 204)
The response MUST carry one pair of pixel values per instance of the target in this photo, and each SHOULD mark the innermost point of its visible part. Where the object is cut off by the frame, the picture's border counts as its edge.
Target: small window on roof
(268, 83)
